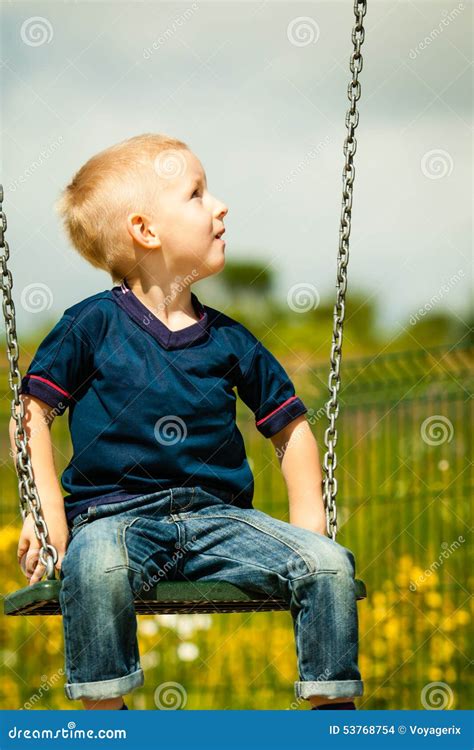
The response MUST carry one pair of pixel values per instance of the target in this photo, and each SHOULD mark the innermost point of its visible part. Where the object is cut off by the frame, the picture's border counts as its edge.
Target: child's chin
(216, 264)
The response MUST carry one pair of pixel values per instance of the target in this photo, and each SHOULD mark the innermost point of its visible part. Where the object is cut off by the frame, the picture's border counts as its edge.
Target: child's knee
(87, 566)
(324, 554)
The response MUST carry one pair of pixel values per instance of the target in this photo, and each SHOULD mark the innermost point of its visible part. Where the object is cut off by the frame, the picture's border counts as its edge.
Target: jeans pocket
(79, 521)
(121, 538)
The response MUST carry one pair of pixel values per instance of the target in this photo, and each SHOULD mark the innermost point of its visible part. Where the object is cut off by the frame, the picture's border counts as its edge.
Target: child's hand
(29, 546)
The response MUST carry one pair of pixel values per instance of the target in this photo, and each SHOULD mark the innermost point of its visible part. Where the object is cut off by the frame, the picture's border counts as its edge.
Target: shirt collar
(145, 318)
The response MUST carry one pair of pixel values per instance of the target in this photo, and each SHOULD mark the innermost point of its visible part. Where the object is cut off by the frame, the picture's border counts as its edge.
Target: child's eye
(196, 192)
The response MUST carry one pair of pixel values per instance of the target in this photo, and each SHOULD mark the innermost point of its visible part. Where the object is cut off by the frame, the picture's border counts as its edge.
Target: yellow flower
(416, 574)
(448, 624)
(392, 597)
(435, 673)
(391, 628)
(462, 617)
(403, 578)
(9, 535)
(433, 599)
(378, 598)
(379, 613)
(405, 563)
(379, 647)
(450, 674)
(442, 649)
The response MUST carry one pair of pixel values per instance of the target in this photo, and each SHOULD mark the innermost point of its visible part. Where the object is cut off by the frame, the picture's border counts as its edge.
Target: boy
(148, 373)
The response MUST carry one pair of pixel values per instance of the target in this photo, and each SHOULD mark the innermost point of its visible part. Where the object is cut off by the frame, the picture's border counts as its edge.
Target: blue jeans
(194, 534)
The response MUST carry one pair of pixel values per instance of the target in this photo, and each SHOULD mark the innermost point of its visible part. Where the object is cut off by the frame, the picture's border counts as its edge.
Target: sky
(259, 92)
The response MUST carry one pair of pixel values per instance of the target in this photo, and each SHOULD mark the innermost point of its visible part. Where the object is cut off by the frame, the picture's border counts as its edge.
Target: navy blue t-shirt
(151, 408)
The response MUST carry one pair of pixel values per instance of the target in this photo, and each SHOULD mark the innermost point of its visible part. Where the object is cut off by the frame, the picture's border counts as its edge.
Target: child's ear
(143, 231)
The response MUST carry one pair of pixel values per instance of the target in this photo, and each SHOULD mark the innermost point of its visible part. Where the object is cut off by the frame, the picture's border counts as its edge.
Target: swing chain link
(28, 493)
(348, 174)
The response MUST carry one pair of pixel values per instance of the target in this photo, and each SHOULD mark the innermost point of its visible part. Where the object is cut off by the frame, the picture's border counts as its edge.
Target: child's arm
(297, 452)
(37, 423)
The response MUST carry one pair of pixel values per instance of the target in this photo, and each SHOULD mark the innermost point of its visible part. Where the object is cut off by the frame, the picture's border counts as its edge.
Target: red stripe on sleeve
(48, 382)
(277, 409)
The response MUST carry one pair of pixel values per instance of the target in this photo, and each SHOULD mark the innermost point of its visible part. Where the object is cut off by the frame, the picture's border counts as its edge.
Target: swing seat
(167, 597)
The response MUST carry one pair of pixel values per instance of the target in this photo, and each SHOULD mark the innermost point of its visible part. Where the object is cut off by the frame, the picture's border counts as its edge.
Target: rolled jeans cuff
(331, 689)
(105, 688)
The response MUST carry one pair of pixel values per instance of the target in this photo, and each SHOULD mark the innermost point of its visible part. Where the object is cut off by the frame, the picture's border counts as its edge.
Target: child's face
(187, 219)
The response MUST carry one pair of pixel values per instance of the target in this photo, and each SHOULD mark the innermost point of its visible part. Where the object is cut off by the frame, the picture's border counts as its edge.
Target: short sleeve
(267, 390)
(61, 366)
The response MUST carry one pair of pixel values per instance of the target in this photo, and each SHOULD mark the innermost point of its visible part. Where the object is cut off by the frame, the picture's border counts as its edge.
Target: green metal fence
(404, 508)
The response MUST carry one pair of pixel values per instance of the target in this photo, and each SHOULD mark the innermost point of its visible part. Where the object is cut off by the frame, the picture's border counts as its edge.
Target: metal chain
(28, 494)
(348, 174)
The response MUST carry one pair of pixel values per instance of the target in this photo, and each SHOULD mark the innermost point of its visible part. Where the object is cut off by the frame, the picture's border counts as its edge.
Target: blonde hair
(114, 182)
